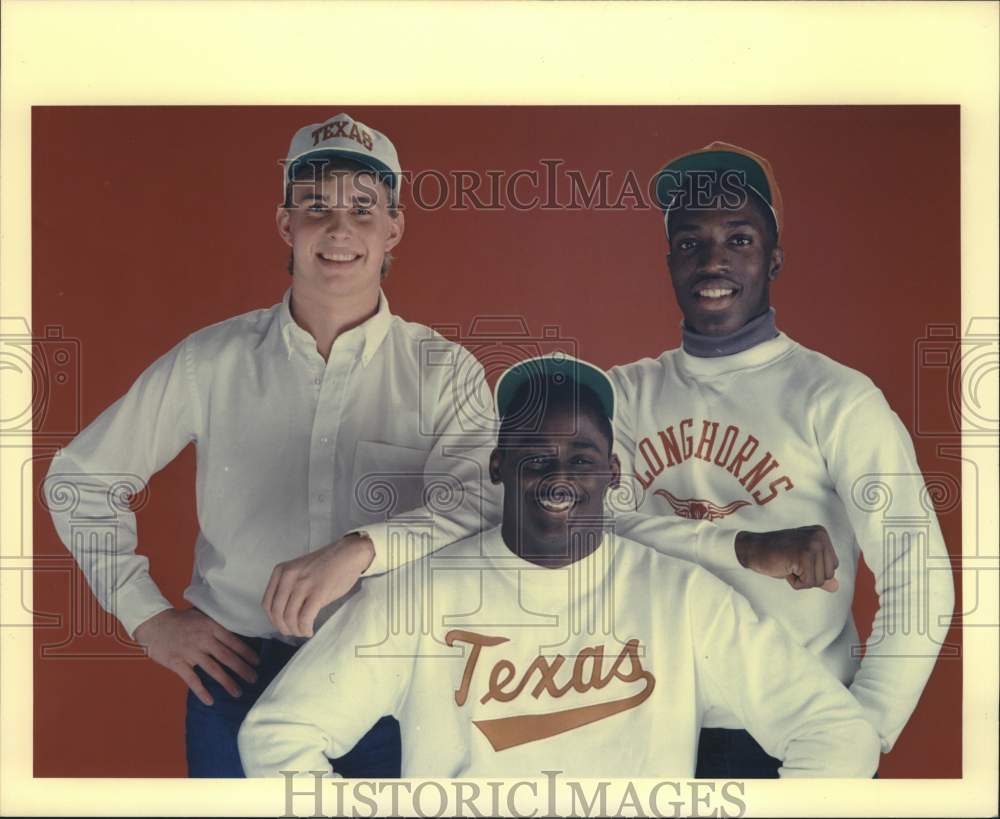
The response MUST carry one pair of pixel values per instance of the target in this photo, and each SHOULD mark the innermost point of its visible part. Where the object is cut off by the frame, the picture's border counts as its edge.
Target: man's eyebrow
(729, 224)
(365, 199)
(684, 226)
(552, 443)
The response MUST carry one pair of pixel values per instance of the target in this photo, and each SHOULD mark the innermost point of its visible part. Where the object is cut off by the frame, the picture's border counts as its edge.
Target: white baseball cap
(344, 136)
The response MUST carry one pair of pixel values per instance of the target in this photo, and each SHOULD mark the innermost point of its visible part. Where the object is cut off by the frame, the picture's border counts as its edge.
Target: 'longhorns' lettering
(733, 450)
(759, 471)
(746, 451)
(708, 430)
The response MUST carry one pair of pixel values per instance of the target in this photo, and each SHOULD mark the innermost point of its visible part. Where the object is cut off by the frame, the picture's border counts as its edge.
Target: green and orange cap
(755, 173)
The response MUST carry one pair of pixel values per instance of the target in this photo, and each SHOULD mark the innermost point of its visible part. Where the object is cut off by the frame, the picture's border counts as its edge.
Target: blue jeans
(211, 730)
(732, 754)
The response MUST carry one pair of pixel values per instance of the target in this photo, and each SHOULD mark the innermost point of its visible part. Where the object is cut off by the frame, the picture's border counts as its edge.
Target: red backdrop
(149, 223)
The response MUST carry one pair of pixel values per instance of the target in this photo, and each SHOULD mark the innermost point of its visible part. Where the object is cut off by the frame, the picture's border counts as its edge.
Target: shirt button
(316, 381)
(324, 440)
(322, 498)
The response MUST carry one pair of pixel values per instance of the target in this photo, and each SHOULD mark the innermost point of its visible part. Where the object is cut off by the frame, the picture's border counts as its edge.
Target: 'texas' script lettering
(588, 674)
(728, 448)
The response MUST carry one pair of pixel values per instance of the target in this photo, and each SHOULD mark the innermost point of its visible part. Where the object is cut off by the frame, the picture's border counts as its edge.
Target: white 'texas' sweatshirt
(497, 667)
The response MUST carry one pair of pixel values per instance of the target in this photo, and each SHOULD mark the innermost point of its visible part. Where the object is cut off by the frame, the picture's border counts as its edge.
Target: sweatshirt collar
(549, 580)
(757, 356)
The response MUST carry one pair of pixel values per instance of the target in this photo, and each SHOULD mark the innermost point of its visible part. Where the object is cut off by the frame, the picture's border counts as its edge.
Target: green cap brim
(556, 369)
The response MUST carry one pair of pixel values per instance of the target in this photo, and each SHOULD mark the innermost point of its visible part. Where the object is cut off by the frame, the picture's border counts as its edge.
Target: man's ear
(616, 473)
(495, 466)
(397, 224)
(777, 260)
(283, 220)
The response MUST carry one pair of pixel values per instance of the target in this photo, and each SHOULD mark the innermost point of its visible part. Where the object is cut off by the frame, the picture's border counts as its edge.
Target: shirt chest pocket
(388, 480)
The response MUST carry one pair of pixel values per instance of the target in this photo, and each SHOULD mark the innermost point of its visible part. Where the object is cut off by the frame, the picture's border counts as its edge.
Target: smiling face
(721, 265)
(340, 231)
(555, 474)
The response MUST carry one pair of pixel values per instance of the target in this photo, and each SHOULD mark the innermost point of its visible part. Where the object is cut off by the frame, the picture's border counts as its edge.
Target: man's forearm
(697, 541)
(118, 577)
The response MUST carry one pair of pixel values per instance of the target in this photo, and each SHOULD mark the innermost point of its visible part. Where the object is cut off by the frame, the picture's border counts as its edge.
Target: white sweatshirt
(779, 436)
(497, 667)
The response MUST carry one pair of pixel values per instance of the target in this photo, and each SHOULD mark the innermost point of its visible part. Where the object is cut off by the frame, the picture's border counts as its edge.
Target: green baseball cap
(719, 158)
(556, 369)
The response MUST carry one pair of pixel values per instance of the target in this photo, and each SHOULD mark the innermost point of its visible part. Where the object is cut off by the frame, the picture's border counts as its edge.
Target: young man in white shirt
(289, 407)
(743, 425)
(550, 641)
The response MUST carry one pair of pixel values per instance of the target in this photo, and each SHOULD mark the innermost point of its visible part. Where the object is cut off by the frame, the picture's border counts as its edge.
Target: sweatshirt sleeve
(792, 706)
(460, 499)
(338, 685)
(874, 468)
(697, 541)
(112, 458)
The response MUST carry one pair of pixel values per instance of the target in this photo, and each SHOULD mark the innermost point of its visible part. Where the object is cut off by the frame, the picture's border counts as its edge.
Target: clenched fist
(299, 588)
(803, 556)
(182, 639)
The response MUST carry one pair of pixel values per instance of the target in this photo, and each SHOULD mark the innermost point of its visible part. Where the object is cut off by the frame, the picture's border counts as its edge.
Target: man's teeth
(339, 257)
(550, 505)
(715, 293)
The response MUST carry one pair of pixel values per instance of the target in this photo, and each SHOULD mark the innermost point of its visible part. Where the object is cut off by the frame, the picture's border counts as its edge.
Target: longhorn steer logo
(697, 509)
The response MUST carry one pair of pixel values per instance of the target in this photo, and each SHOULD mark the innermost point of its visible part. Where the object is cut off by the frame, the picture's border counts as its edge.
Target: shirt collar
(375, 329)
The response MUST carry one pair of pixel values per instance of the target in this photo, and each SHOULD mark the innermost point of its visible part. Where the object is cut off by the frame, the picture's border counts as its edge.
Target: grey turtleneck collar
(749, 335)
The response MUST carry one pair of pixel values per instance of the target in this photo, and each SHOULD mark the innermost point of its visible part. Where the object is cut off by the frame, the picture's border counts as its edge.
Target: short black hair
(537, 396)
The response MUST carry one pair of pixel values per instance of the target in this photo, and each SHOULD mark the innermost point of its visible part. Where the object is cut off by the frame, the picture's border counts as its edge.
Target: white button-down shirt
(292, 451)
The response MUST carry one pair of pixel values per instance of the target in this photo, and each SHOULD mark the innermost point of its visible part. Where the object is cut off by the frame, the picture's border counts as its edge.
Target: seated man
(547, 640)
